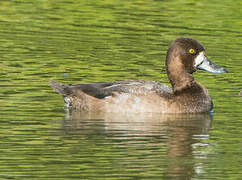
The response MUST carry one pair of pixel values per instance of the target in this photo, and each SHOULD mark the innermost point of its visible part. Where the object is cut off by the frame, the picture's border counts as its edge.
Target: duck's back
(119, 96)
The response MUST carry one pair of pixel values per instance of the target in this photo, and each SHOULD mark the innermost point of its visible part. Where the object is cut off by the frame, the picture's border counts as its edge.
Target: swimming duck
(184, 57)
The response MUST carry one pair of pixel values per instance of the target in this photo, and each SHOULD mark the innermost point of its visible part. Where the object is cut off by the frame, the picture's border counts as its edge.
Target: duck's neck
(181, 81)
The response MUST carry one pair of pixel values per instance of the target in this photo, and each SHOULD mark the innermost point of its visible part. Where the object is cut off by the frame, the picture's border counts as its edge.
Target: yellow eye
(191, 51)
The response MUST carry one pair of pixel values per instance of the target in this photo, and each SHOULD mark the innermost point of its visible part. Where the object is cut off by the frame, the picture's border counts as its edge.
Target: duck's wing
(104, 89)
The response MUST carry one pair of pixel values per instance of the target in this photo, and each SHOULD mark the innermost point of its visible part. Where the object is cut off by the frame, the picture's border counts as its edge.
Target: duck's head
(190, 55)
(185, 56)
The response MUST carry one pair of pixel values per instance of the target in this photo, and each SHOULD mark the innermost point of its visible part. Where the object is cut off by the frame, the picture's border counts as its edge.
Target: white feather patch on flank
(67, 101)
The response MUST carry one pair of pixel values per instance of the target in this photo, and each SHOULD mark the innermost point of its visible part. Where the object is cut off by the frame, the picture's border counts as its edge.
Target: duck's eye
(191, 51)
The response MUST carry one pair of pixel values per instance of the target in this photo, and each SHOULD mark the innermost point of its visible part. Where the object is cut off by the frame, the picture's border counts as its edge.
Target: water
(89, 41)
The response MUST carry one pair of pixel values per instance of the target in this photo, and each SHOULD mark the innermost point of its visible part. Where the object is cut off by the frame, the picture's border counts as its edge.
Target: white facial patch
(199, 59)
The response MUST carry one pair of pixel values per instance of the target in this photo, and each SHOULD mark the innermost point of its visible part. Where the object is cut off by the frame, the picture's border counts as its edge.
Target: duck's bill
(203, 63)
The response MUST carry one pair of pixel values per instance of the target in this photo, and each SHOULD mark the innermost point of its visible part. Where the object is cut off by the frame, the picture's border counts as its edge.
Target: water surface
(90, 41)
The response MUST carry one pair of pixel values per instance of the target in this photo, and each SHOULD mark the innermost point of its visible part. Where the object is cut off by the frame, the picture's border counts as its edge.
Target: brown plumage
(184, 57)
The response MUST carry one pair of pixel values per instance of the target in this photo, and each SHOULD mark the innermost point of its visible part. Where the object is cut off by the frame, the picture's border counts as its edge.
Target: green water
(89, 41)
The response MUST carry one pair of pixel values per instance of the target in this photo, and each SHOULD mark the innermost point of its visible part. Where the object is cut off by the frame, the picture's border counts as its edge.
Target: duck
(184, 57)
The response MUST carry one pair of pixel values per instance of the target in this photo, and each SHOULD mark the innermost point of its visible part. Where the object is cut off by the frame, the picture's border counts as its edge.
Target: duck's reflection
(181, 134)
(184, 135)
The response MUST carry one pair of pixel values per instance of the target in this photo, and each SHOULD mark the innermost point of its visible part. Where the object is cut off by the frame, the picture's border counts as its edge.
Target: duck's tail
(64, 90)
